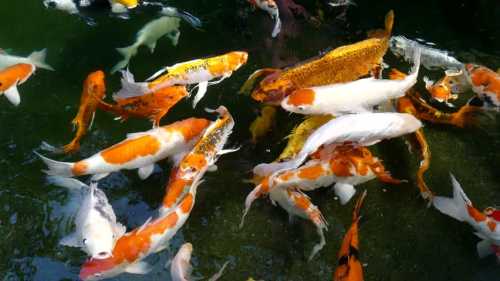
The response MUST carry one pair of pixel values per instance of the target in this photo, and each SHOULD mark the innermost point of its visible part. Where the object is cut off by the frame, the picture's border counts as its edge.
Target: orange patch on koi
(301, 97)
(79, 168)
(311, 173)
(129, 150)
(187, 203)
(190, 128)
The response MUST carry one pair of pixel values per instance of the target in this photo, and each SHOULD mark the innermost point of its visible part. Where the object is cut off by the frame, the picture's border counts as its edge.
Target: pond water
(401, 238)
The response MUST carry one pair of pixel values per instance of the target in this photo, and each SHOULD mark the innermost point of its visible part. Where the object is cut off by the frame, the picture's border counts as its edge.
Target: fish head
(273, 89)
(130, 4)
(299, 101)
(99, 239)
(185, 251)
(97, 269)
(95, 84)
(237, 59)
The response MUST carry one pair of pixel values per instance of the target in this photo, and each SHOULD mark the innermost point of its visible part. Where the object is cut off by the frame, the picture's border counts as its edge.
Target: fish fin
(218, 275)
(229, 150)
(344, 191)
(48, 147)
(453, 207)
(38, 59)
(12, 94)
(158, 73)
(69, 183)
(98, 177)
(428, 82)
(91, 121)
(174, 37)
(136, 135)
(146, 171)
(152, 46)
(212, 168)
(484, 249)
(319, 245)
(202, 89)
(118, 8)
(70, 240)
(56, 168)
(140, 267)
(174, 12)
(130, 88)
(252, 196)
(277, 26)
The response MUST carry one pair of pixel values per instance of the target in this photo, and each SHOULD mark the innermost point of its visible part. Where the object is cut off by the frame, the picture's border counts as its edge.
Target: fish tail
(38, 59)
(277, 26)
(127, 53)
(389, 22)
(357, 207)
(454, 207)
(69, 183)
(56, 168)
(130, 88)
(50, 148)
(256, 193)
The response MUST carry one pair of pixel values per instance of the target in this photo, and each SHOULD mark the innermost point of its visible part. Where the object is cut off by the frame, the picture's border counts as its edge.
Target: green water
(401, 239)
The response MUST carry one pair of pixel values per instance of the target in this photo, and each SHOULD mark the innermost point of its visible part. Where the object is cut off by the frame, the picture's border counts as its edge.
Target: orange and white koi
(199, 71)
(349, 267)
(13, 76)
(486, 84)
(272, 9)
(296, 203)
(180, 269)
(351, 97)
(137, 151)
(486, 224)
(200, 159)
(363, 129)
(133, 247)
(447, 87)
(151, 106)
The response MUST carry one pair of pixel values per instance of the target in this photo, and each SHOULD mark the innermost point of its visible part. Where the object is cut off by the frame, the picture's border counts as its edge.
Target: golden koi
(137, 151)
(343, 64)
(199, 71)
(13, 76)
(133, 247)
(486, 224)
(263, 123)
(203, 156)
(152, 106)
(349, 267)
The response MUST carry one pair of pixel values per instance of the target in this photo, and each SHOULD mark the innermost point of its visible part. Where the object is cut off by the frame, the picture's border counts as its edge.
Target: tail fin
(38, 59)
(56, 168)
(69, 183)
(130, 88)
(357, 207)
(389, 22)
(218, 275)
(252, 196)
(277, 26)
(453, 207)
(127, 53)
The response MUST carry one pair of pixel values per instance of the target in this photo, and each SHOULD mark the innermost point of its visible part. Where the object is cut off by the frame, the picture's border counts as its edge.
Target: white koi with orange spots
(135, 246)
(363, 129)
(351, 97)
(13, 76)
(139, 151)
(485, 223)
(486, 84)
(271, 8)
(198, 71)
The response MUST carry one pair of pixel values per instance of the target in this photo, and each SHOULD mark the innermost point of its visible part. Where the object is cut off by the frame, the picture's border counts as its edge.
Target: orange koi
(152, 106)
(343, 64)
(349, 267)
(13, 76)
(486, 84)
(138, 151)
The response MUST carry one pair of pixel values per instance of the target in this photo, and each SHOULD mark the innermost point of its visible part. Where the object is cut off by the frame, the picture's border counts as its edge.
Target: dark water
(401, 239)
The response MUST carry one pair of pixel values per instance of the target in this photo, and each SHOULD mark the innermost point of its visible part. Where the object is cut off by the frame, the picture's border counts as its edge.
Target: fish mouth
(102, 255)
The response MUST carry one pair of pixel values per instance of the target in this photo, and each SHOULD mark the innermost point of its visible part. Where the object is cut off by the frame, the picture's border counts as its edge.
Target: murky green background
(401, 239)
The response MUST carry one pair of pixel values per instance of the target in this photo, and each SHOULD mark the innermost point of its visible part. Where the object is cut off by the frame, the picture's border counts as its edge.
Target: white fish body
(364, 129)
(96, 227)
(271, 8)
(68, 6)
(431, 57)
(37, 58)
(181, 268)
(148, 36)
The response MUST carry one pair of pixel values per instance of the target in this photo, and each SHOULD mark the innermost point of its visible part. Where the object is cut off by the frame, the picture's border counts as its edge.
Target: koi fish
(94, 90)
(96, 228)
(343, 64)
(137, 151)
(68, 6)
(121, 6)
(351, 97)
(431, 58)
(151, 106)
(180, 269)
(148, 36)
(486, 84)
(133, 247)
(262, 124)
(364, 129)
(13, 76)
(348, 266)
(485, 223)
(200, 159)
(199, 71)
(36, 58)
(440, 90)
(345, 165)
(272, 9)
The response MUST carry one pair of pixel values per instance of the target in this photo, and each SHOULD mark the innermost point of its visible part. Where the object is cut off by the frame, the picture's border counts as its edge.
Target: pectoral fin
(139, 268)
(344, 191)
(12, 94)
(212, 168)
(98, 177)
(71, 240)
(202, 89)
(145, 172)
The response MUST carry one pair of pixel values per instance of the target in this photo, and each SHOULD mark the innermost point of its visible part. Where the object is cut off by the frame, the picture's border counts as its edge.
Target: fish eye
(301, 107)
(84, 241)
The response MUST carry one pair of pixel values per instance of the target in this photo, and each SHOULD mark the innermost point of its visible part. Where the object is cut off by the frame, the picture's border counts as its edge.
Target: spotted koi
(486, 84)
(13, 76)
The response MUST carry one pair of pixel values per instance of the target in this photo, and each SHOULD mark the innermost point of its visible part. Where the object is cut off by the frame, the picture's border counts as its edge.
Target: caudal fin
(453, 207)
(56, 168)
(38, 59)
(130, 88)
(127, 53)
